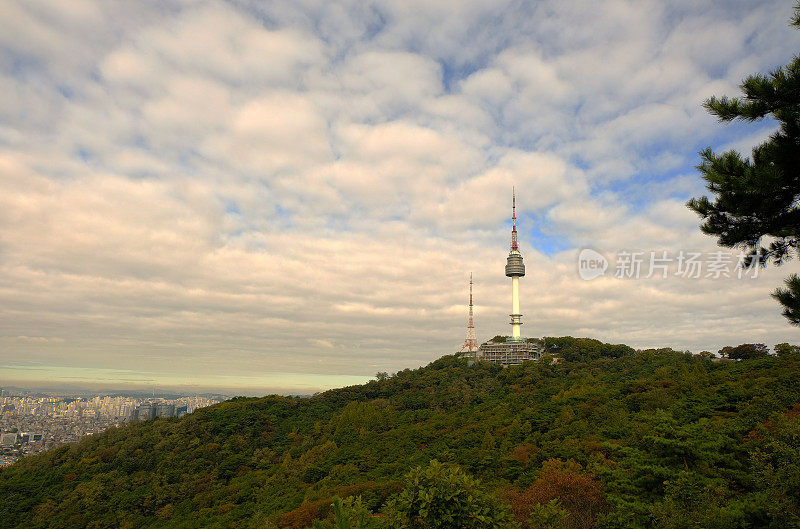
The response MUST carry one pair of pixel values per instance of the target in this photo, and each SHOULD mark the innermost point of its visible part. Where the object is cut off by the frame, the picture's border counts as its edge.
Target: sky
(288, 196)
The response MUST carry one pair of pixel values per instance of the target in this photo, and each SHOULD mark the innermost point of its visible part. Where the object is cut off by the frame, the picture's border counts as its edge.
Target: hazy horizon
(81, 381)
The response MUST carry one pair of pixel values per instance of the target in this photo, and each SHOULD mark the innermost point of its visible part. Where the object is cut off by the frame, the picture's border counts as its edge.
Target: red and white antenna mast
(471, 342)
(514, 246)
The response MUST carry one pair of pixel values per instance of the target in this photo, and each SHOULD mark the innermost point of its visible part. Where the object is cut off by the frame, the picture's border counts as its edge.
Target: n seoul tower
(515, 269)
(515, 349)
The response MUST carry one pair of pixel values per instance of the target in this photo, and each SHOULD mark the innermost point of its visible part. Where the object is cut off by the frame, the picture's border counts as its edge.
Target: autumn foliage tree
(578, 493)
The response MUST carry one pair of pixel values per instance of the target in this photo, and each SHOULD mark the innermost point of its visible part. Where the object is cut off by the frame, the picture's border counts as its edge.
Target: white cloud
(276, 132)
(303, 187)
(378, 85)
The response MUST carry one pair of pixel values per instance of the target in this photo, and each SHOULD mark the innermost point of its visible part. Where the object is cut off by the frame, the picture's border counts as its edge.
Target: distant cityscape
(32, 422)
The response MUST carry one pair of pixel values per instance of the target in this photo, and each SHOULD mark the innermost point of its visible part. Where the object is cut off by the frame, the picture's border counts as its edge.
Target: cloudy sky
(290, 195)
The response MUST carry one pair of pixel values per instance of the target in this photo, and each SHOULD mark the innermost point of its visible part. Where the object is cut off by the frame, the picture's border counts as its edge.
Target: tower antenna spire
(471, 325)
(471, 342)
(514, 246)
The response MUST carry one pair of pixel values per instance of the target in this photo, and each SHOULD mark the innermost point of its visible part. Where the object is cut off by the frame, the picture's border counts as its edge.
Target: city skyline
(30, 424)
(290, 197)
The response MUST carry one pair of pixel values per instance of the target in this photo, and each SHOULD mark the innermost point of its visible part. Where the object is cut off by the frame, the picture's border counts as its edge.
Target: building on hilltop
(515, 349)
(511, 352)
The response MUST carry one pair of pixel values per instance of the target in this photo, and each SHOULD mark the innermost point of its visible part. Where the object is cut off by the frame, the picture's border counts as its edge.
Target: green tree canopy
(754, 204)
(443, 496)
(349, 514)
(784, 348)
(655, 438)
(744, 351)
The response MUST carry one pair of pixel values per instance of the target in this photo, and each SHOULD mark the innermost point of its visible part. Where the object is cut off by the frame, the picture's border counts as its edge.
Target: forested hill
(605, 438)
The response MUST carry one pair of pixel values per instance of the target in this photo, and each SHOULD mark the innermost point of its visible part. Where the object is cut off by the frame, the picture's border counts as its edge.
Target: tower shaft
(515, 315)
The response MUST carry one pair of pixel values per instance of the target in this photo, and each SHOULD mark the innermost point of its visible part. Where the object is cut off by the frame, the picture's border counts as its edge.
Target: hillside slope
(665, 438)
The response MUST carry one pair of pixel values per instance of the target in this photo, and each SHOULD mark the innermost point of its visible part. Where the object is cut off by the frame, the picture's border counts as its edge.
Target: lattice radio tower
(471, 342)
